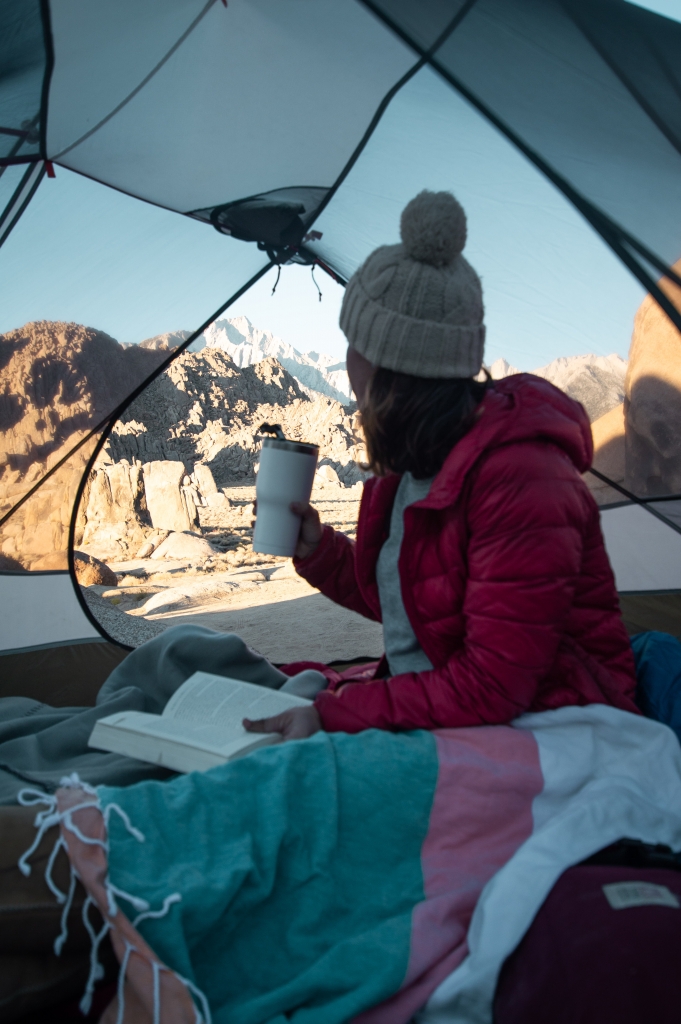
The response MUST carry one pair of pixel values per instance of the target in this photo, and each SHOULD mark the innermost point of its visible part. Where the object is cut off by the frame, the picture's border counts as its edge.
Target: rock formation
(653, 400)
(117, 521)
(184, 546)
(148, 511)
(58, 381)
(608, 438)
(638, 443)
(204, 410)
(165, 496)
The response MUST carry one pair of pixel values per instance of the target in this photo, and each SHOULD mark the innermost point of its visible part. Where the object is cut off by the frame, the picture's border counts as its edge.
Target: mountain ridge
(246, 345)
(595, 381)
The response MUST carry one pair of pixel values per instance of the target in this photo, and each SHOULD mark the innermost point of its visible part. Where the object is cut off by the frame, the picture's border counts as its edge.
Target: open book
(200, 726)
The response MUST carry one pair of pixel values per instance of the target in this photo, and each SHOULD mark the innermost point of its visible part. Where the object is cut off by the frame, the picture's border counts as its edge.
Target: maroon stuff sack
(604, 947)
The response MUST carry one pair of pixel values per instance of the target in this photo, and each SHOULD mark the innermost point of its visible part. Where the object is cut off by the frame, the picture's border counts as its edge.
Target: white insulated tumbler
(286, 474)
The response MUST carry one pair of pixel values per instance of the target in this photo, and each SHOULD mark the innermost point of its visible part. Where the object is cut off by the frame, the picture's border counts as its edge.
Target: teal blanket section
(298, 866)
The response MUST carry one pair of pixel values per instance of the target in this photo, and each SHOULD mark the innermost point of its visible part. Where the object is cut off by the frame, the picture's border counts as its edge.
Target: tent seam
(138, 88)
(107, 426)
(388, 98)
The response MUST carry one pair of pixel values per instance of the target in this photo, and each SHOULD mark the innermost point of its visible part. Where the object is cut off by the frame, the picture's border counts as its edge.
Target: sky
(87, 253)
(669, 8)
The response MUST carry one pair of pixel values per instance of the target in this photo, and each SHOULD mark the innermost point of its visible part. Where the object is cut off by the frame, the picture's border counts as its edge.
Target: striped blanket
(334, 879)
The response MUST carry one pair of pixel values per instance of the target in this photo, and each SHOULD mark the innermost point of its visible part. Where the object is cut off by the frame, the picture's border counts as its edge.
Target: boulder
(192, 501)
(116, 494)
(652, 405)
(204, 479)
(164, 497)
(152, 542)
(192, 595)
(608, 438)
(91, 571)
(184, 546)
(9, 564)
(328, 475)
(116, 520)
(55, 561)
(217, 500)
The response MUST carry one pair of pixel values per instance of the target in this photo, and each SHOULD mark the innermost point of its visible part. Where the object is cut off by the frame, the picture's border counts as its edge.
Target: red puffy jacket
(504, 577)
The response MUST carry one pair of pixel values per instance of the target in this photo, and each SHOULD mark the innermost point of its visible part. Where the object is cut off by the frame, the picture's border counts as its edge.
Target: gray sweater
(402, 649)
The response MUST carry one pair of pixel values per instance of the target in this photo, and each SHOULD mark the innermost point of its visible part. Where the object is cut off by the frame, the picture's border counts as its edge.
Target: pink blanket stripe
(482, 813)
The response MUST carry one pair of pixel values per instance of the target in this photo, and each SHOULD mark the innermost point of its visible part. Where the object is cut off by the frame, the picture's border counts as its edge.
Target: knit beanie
(417, 307)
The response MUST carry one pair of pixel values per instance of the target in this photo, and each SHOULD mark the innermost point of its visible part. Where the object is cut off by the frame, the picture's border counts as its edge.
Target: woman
(478, 543)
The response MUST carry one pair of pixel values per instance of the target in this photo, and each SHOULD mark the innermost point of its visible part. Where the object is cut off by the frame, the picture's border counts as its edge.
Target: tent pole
(632, 497)
(107, 426)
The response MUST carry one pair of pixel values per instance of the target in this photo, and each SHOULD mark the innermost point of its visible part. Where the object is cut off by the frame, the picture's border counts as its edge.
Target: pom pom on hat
(416, 308)
(433, 228)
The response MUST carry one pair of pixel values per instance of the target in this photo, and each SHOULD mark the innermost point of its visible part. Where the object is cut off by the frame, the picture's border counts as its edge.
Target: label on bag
(621, 895)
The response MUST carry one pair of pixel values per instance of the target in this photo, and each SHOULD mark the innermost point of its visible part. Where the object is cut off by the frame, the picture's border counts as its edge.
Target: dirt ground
(236, 590)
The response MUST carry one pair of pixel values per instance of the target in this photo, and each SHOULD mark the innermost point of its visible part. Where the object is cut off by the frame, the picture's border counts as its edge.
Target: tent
(338, 112)
(320, 102)
(293, 133)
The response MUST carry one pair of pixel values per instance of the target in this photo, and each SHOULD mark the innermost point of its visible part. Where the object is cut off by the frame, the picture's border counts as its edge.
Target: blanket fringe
(46, 819)
(96, 972)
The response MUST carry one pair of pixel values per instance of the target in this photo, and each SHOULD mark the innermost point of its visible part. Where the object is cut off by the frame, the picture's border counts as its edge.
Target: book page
(176, 745)
(219, 739)
(217, 705)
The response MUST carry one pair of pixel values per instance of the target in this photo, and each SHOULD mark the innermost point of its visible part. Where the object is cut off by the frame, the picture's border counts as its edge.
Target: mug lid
(291, 446)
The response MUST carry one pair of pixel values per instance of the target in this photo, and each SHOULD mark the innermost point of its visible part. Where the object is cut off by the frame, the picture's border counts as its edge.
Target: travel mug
(286, 474)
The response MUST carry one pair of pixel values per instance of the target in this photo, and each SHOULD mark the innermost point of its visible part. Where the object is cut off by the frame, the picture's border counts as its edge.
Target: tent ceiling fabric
(259, 96)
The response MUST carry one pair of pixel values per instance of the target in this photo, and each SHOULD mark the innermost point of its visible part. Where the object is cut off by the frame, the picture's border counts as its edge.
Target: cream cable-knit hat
(417, 307)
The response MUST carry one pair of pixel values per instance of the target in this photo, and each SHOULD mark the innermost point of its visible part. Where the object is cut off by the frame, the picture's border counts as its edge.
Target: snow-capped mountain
(595, 381)
(501, 368)
(246, 344)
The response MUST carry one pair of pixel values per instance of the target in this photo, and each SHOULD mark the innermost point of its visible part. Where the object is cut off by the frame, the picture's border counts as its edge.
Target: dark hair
(412, 423)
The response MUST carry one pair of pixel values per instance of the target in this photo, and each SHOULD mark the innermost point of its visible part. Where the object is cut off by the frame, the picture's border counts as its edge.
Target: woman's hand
(311, 529)
(294, 724)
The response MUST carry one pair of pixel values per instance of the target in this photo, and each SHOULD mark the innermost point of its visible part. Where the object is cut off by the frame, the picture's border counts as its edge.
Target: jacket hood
(519, 408)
